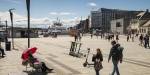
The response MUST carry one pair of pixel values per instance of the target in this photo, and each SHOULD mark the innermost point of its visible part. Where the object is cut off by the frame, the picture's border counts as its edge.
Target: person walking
(127, 38)
(3, 52)
(117, 37)
(116, 55)
(141, 39)
(133, 38)
(146, 41)
(75, 37)
(147, 36)
(97, 59)
(97, 34)
(91, 35)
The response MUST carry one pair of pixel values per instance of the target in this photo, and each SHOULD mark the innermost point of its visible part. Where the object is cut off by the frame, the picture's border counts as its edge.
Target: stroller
(31, 61)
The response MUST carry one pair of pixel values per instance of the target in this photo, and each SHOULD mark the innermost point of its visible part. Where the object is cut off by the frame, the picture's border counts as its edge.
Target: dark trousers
(97, 72)
(2, 51)
(146, 44)
(115, 69)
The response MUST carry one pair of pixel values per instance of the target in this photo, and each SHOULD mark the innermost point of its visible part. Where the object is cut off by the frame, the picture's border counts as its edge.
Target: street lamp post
(6, 35)
(12, 29)
(28, 14)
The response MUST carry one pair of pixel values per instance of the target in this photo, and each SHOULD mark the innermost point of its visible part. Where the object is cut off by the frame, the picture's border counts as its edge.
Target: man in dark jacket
(141, 39)
(116, 54)
(146, 41)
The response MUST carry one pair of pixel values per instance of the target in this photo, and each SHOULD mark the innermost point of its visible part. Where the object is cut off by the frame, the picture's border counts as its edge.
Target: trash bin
(8, 46)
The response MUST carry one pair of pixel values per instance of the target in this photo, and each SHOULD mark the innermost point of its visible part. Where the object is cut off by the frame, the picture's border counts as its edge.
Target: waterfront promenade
(55, 52)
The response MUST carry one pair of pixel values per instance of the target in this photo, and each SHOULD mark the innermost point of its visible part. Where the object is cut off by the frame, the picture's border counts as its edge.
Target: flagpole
(12, 27)
(28, 15)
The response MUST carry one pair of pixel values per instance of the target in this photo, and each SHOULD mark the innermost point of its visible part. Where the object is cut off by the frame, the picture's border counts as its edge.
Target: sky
(69, 11)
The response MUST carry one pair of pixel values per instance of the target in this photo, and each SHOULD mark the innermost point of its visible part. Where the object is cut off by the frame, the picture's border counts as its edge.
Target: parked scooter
(85, 64)
(75, 49)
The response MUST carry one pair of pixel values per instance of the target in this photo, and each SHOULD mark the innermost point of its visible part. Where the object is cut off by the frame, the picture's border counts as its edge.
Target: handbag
(98, 65)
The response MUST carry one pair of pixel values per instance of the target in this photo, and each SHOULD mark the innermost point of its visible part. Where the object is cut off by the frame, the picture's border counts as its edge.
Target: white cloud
(21, 21)
(66, 13)
(92, 4)
(61, 13)
(72, 21)
(53, 13)
(13, 1)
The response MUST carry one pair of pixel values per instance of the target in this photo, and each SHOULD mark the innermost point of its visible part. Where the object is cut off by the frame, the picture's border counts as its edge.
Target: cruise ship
(57, 27)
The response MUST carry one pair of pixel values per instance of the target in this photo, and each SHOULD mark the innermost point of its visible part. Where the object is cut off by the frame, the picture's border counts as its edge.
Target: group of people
(116, 53)
(107, 36)
(131, 36)
(78, 37)
(111, 37)
(144, 40)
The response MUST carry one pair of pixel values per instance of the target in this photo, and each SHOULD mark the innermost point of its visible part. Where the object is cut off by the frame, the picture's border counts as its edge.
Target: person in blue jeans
(116, 55)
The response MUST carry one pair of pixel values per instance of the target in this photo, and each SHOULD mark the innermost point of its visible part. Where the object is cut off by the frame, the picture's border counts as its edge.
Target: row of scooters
(75, 51)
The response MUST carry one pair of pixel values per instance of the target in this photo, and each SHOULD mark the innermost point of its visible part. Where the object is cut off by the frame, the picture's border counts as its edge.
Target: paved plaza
(55, 52)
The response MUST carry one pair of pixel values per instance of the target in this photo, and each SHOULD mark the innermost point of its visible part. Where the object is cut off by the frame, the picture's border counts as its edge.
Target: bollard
(8, 46)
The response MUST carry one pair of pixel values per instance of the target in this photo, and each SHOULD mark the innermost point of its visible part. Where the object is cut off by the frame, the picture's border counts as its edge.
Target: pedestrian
(146, 41)
(147, 36)
(113, 36)
(97, 59)
(117, 37)
(80, 37)
(141, 39)
(116, 55)
(109, 37)
(137, 34)
(75, 37)
(2, 52)
(91, 36)
(127, 38)
(101, 35)
(133, 38)
(97, 34)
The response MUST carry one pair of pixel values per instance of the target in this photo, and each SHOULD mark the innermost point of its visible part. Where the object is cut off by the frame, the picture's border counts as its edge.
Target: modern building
(101, 19)
(96, 19)
(83, 26)
(120, 26)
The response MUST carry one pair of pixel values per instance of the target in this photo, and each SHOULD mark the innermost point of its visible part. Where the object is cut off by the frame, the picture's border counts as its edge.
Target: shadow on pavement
(37, 73)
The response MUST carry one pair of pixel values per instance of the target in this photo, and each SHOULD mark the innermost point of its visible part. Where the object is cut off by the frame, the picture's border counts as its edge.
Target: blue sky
(69, 10)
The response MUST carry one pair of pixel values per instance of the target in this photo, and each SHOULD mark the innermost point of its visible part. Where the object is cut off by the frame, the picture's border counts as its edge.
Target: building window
(144, 30)
(118, 24)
